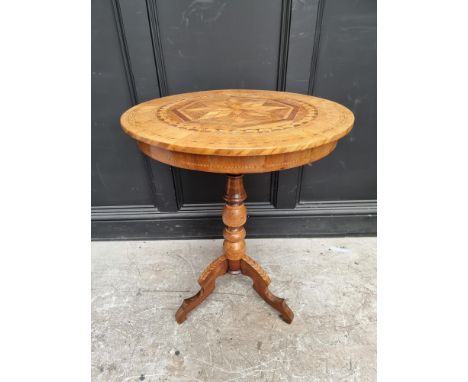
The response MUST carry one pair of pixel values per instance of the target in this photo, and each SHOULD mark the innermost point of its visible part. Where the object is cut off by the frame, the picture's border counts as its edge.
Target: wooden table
(237, 132)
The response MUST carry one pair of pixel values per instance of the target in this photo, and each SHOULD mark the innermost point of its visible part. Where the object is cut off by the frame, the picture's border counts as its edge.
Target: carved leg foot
(207, 282)
(251, 268)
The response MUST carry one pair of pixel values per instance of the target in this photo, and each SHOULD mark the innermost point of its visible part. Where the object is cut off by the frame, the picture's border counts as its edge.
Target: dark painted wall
(146, 49)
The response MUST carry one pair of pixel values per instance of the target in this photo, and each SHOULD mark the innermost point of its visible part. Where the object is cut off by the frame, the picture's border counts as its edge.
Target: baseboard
(310, 219)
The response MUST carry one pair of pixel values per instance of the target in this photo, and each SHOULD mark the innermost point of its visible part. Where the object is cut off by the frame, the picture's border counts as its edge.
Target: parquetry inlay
(236, 114)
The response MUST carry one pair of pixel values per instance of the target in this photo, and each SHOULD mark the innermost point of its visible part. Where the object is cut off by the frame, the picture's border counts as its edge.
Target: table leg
(251, 268)
(207, 283)
(234, 260)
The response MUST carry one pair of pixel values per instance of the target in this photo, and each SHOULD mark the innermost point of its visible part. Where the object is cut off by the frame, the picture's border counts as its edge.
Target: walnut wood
(261, 281)
(234, 258)
(237, 132)
(234, 218)
(237, 165)
(207, 282)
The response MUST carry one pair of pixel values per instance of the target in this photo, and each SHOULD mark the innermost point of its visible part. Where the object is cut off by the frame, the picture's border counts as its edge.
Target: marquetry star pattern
(235, 112)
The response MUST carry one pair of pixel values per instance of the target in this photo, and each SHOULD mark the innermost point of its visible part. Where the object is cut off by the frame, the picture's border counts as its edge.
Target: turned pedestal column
(234, 218)
(234, 260)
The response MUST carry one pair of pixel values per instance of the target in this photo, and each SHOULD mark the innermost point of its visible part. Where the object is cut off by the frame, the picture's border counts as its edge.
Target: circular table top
(237, 122)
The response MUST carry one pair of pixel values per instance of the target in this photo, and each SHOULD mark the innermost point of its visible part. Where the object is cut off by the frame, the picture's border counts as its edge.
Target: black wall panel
(118, 170)
(346, 73)
(137, 34)
(202, 187)
(143, 49)
(220, 44)
(301, 45)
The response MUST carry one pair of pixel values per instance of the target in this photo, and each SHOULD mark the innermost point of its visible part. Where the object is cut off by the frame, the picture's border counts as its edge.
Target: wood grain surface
(237, 165)
(237, 122)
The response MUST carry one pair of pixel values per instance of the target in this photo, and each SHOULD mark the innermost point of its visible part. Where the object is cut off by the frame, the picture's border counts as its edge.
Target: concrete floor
(330, 284)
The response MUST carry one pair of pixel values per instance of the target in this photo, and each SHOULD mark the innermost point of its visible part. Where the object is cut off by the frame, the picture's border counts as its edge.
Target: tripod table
(236, 132)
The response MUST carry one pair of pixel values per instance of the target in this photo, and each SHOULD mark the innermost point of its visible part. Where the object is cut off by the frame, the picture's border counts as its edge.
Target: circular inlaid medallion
(236, 114)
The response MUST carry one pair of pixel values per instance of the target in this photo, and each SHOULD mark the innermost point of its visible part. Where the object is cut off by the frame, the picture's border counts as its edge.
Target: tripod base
(248, 267)
(234, 260)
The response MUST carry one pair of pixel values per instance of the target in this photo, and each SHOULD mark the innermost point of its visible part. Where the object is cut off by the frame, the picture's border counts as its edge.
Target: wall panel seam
(285, 31)
(124, 51)
(316, 48)
(153, 19)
